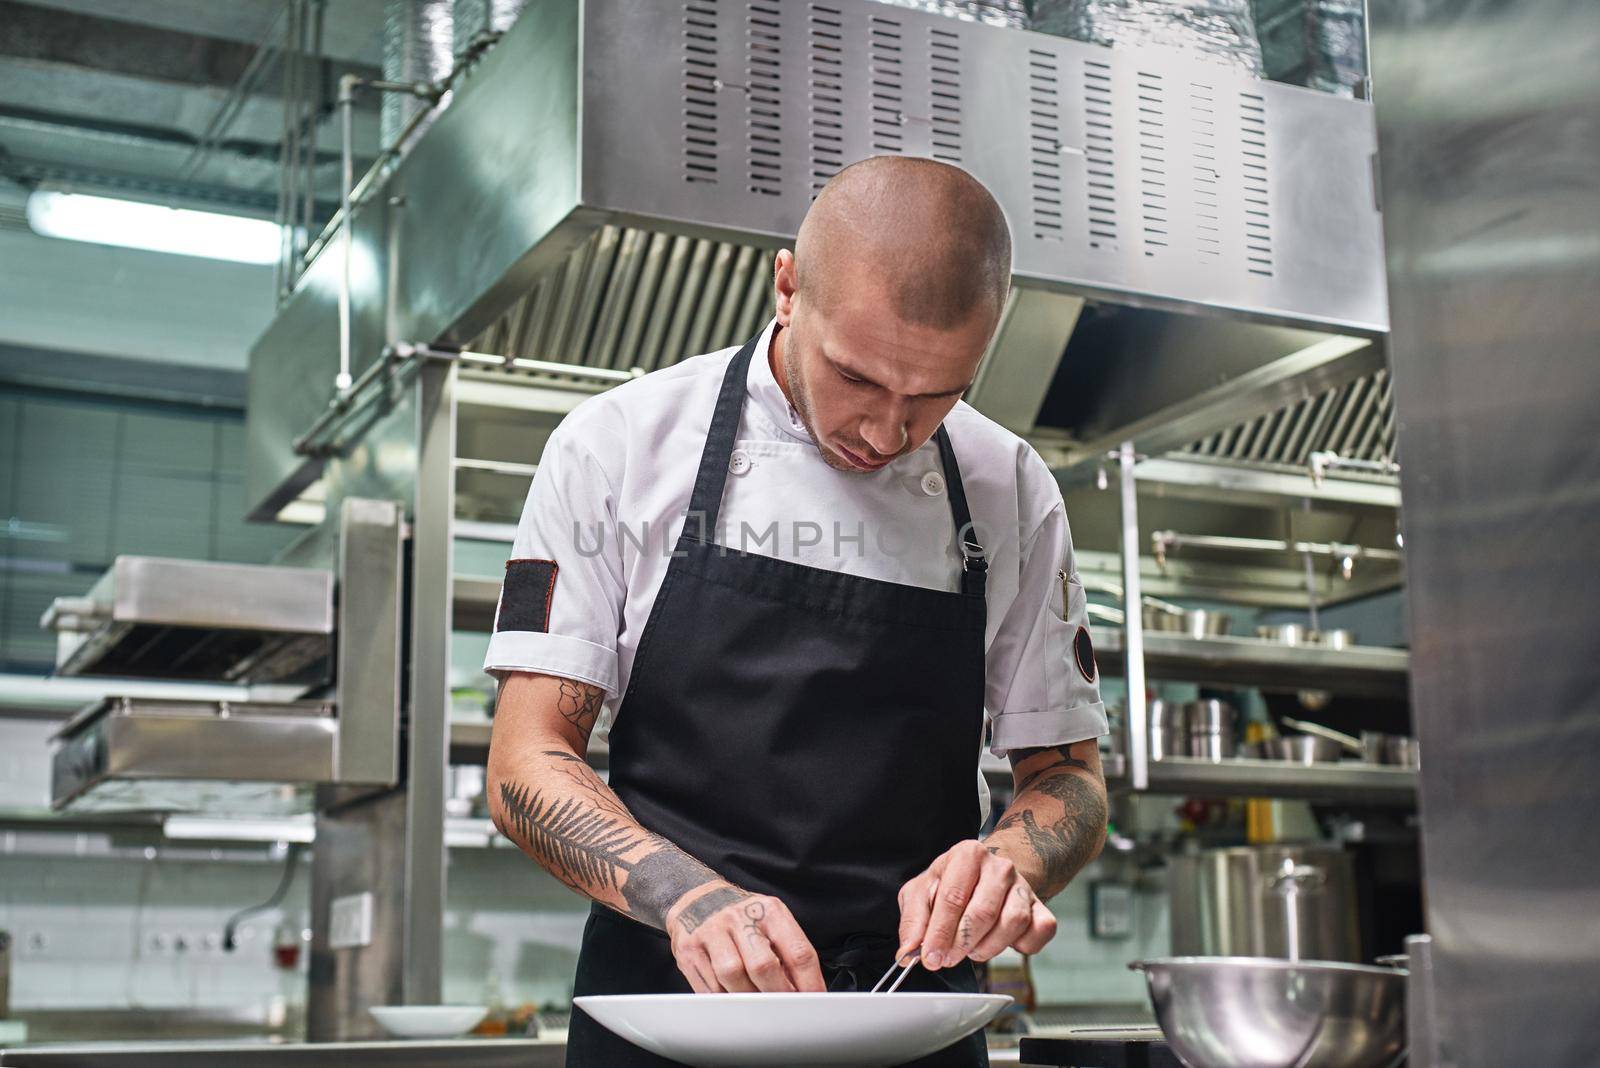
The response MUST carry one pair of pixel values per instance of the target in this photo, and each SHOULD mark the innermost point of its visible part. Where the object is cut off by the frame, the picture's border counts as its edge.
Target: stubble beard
(802, 407)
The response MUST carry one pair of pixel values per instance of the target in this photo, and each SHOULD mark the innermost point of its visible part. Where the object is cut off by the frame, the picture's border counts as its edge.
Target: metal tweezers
(902, 977)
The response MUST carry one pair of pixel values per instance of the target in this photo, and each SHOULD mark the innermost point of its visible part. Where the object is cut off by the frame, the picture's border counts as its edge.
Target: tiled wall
(103, 924)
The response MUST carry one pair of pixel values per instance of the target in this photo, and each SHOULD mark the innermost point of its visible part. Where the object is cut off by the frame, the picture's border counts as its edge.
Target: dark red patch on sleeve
(1083, 653)
(525, 596)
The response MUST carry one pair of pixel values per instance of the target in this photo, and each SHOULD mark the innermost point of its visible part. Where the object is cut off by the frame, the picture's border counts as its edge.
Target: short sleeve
(562, 594)
(1043, 684)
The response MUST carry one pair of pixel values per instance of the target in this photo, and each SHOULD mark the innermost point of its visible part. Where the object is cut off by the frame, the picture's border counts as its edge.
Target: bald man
(801, 584)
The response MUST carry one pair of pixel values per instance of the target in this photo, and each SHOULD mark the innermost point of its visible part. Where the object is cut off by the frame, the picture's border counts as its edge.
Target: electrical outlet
(350, 921)
(34, 944)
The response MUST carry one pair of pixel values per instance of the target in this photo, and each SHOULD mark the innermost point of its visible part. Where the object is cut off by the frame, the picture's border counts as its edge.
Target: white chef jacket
(612, 487)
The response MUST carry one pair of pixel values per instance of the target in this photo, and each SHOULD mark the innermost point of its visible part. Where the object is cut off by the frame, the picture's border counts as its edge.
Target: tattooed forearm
(660, 880)
(1057, 820)
(701, 908)
(580, 704)
(1063, 758)
(580, 846)
(590, 841)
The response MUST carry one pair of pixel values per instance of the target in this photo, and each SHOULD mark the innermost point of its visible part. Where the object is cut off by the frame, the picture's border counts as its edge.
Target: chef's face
(868, 386)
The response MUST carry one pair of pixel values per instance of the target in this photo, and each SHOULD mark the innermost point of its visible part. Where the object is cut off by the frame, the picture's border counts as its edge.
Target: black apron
(805, 733)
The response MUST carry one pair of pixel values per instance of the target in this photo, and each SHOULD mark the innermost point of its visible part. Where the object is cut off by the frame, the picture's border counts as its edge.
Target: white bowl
(428, 1021)
(750, 1030)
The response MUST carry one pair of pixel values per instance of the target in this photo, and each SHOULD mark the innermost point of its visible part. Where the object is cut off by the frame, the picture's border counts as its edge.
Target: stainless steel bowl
(1288, 634)
(1256, 1012)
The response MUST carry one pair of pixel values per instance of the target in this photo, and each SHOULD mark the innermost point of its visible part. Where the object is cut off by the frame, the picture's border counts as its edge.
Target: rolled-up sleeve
(562, 595)
(1043, 684)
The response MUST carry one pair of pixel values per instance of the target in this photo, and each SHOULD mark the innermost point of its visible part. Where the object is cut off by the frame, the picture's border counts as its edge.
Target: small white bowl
(428, 1021)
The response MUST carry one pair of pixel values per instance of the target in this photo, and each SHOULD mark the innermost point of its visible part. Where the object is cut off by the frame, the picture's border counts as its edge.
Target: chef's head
(886, 304)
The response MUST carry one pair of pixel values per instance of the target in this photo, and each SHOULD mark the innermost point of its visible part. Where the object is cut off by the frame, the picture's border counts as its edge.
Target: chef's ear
(785, 283)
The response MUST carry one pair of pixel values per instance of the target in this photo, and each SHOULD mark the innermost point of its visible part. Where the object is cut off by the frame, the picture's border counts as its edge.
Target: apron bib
(805, 733)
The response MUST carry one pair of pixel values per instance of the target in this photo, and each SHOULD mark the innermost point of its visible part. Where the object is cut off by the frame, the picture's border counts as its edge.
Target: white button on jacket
(613, 484)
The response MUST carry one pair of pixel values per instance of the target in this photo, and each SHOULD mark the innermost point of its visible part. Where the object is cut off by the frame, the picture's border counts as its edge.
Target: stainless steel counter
(480, 1053)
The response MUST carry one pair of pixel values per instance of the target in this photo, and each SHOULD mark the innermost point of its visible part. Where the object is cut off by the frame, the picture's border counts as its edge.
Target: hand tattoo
(579, 704)
(701, 908)
(754, 912)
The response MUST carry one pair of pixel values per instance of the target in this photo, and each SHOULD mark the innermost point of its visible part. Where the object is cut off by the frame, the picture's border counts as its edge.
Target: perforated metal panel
(1136, 173)
(1355, 420)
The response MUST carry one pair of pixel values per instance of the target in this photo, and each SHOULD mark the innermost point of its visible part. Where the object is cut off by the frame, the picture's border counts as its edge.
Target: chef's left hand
(970, 903)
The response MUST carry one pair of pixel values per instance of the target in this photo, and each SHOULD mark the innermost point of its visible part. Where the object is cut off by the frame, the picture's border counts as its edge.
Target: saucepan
(1298, 749)
(1195, 622)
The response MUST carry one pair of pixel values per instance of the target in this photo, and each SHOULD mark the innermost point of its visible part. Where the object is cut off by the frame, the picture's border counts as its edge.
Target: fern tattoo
(581, 847)
(586, 841)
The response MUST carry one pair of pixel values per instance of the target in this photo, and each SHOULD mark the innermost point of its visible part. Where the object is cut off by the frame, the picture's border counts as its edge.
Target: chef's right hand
(726, 939)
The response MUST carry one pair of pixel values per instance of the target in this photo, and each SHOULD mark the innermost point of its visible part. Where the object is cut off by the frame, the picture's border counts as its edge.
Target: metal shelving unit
(1137, 655)
(1348, 781)
(1358, 670)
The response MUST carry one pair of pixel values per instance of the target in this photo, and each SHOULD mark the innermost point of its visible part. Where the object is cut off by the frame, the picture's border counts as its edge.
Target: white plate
(428, 1021)
(750, 1030)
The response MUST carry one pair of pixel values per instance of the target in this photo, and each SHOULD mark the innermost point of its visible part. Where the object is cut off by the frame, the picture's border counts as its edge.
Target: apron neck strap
(974, 562)
(706, 499)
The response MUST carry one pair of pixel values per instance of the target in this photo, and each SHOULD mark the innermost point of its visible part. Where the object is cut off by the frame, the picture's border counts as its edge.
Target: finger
(1041, 928)
(995, 879)
(727, 962)
(795, 950)
(1015, 918)
(761, 962)
(916, 905)
(956, 885)
(696, 967)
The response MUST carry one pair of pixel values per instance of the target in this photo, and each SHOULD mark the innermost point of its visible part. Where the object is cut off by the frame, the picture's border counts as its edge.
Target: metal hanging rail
(1164, 541)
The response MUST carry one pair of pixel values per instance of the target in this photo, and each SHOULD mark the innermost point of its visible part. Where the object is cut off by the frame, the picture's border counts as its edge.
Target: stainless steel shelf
(1357, 670)
(1372, 784)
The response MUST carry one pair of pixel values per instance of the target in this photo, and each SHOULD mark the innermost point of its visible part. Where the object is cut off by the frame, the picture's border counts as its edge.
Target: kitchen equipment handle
(1348, 741)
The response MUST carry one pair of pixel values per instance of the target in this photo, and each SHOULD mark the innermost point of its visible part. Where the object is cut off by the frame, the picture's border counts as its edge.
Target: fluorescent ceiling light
(134, 224)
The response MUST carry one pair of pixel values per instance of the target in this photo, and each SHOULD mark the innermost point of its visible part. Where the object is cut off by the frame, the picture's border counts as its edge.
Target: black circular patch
(1083, 653)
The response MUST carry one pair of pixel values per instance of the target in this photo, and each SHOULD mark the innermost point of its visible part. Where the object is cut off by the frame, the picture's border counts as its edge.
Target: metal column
(1489, 133)
(1137, 726)
(428, 746)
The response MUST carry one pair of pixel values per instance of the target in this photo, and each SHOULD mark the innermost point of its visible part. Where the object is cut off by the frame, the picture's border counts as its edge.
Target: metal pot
(1379, 748)
(1199, 623)
(1169, 730)
(1242, 1012)
(1195, 622)
(1338, 638)
(1162, 618)
(1211, 729)
(1288, 634)
(1299, 749)
(1230, 902)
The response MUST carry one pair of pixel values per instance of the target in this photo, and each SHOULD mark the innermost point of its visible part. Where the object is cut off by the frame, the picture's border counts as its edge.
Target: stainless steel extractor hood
(607, 183)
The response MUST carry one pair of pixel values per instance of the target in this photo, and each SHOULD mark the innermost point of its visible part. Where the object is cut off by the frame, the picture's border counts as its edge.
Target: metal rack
(1245, 661)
